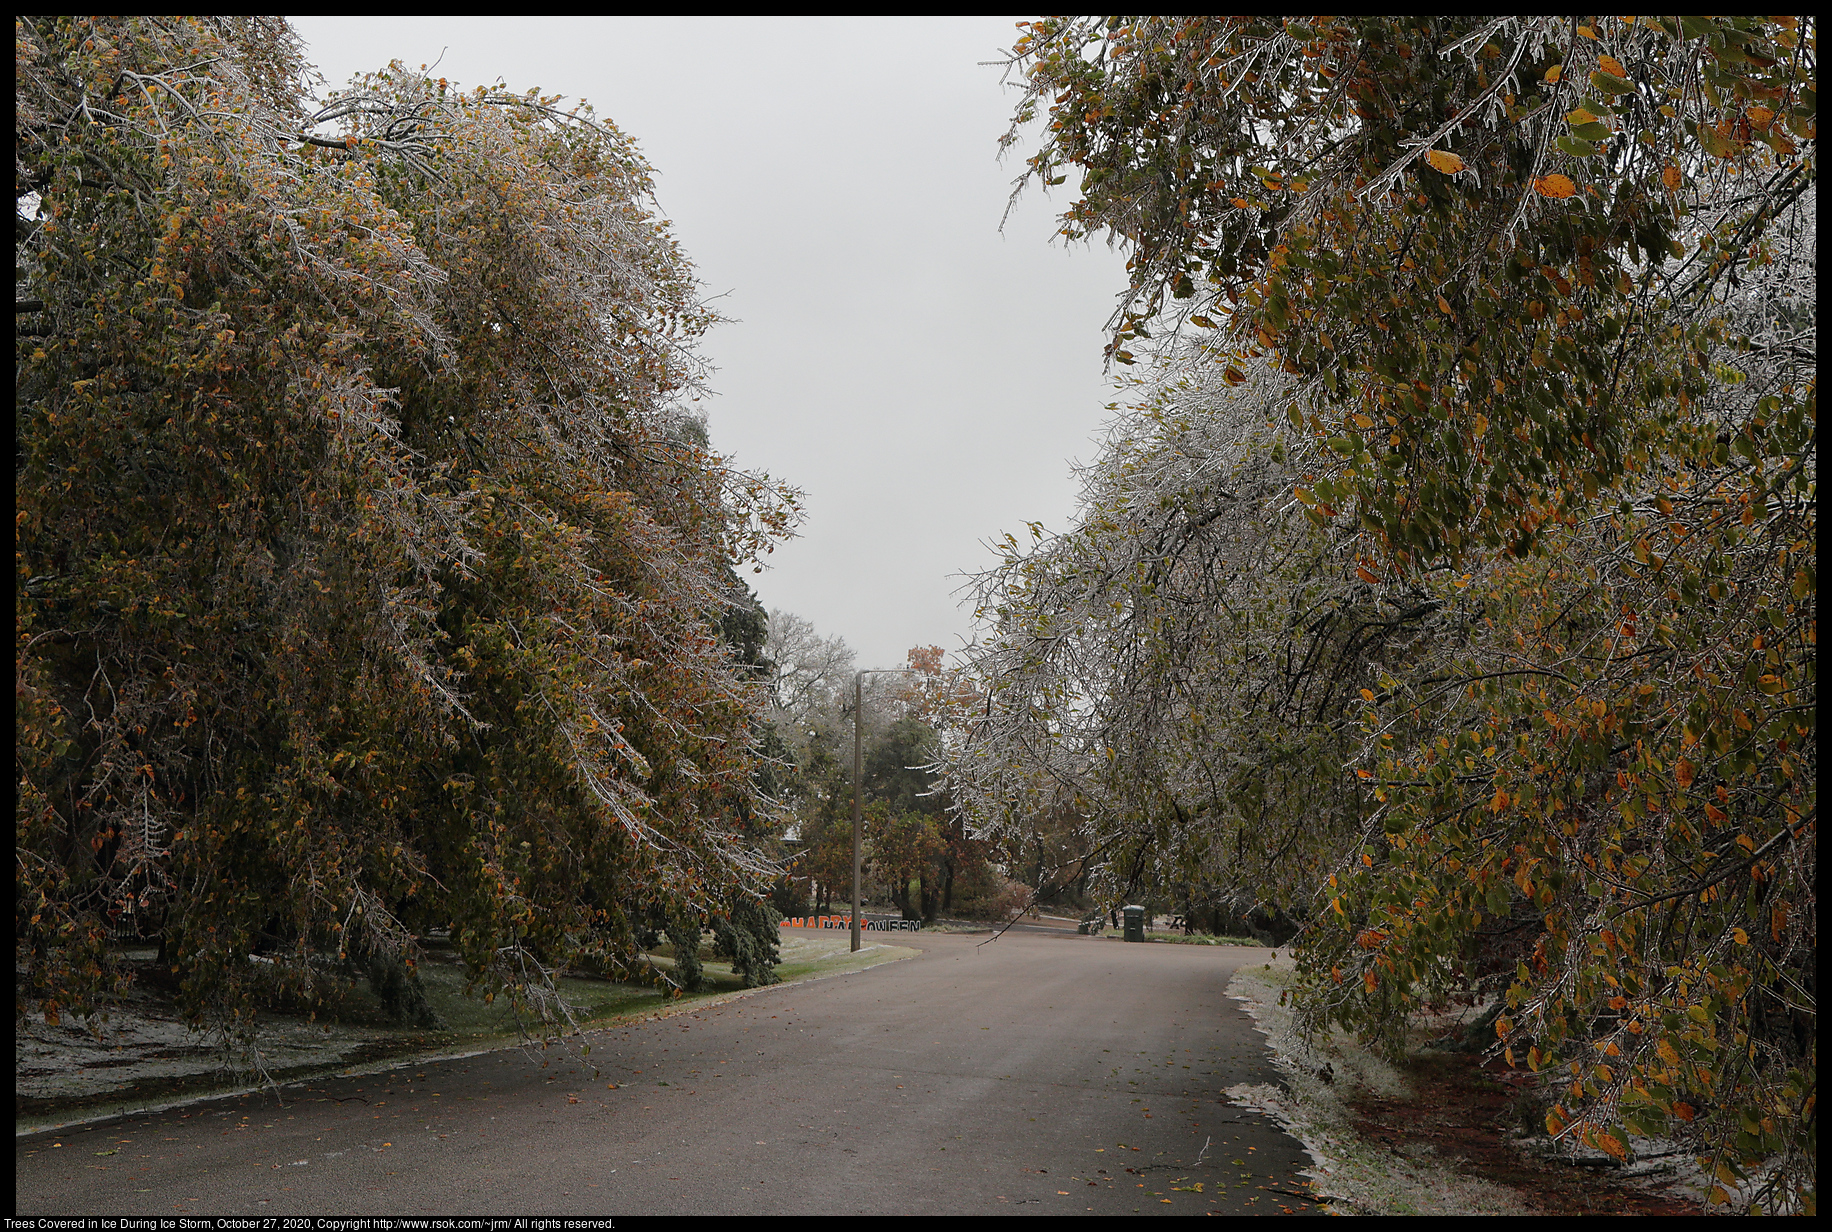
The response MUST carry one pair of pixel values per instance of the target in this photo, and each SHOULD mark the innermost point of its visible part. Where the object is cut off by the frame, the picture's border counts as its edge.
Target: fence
(875, 923)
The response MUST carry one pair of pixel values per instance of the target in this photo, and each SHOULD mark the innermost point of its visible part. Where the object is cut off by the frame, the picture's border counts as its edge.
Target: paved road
(1036, 1074)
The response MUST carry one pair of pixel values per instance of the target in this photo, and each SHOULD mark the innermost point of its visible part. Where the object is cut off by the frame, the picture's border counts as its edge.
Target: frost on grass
(79, 1059)
(1361, 1177)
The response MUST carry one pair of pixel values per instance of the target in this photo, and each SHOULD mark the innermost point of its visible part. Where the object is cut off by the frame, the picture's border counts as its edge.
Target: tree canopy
(373, 576)
(1451, 580)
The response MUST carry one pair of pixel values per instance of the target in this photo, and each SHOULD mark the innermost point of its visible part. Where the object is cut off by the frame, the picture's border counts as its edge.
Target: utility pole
(858, 778)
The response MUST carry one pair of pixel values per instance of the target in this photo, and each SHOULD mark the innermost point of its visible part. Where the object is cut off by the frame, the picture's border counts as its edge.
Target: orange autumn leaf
(1441, 160)
(1670, 176)
(1556, 186)
(1612, 66)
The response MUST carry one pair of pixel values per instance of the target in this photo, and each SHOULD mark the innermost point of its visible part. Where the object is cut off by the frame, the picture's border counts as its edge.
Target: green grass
(470, 1018)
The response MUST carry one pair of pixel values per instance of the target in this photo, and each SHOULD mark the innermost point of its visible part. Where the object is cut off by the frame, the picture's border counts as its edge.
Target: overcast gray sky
(925, 379)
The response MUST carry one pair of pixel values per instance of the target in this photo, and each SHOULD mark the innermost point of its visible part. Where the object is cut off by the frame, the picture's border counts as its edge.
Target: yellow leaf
(1670, 176)
(1612, 66)
(1367, 695)
(1362, 421)
(1554, 73)
(1742, 937)
(1558, 187)
(1444, 306)
(1481, 424)
(1611, 1144)
(1580, 116)
(1448, 163)
(1760, 116)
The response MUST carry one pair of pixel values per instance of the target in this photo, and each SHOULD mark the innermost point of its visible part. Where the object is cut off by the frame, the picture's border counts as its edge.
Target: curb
(100, 1113)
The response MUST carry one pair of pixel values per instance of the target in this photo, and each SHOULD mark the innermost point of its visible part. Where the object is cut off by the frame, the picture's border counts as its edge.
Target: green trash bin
(1134, 920)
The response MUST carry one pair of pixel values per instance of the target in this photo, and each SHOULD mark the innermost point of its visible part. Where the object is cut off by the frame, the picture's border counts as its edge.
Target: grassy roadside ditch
(143, 1057)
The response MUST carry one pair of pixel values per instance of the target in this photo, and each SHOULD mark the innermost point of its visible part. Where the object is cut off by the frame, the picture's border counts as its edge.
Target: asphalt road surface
(1037, 1074)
